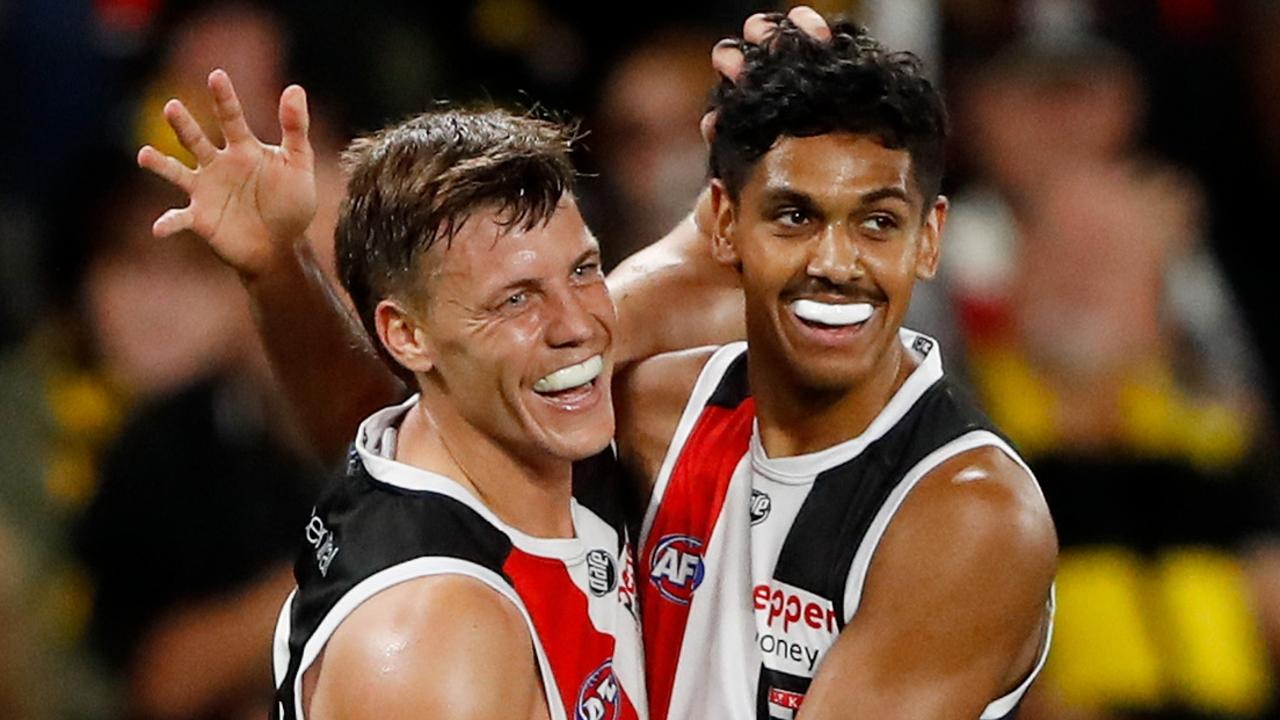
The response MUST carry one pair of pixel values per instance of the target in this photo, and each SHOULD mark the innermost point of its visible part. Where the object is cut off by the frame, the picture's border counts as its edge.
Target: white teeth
(572, 376)
(832, 314)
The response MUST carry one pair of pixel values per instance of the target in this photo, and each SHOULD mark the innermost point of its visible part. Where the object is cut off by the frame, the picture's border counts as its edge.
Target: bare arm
(251, 202)
(673, 295)
(438, 647)
(320, 355)
(974, 550)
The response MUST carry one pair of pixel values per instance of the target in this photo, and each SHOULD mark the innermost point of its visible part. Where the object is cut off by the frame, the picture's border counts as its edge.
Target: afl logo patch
(676, 567)
(602, 576)
(761, 504)
(599, 697)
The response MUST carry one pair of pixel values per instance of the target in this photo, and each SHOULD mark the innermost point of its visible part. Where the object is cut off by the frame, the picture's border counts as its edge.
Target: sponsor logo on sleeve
(602, 575)
(324, 543)
(675, 567)
(599, 698)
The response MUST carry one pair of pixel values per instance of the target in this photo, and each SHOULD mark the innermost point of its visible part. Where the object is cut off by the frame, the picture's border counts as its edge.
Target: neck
(795, 418)
(532, 496)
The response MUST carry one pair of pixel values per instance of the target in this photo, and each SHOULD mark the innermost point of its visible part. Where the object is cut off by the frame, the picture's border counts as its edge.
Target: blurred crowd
(1104, 292)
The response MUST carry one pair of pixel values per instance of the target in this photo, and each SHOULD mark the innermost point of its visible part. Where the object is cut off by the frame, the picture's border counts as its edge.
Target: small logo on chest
(321, 538)
(675, 567)
(602, 575)
(761, 504)
(599, 698)
(783, 704)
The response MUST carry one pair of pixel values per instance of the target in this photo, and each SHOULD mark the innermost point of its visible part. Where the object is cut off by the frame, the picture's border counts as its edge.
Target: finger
(295, 123)
(173, 221)
(189, 132)
(758, 27)
(227, 107)
(810, 21)
(727, 59)
(167, 167)
(708, 127)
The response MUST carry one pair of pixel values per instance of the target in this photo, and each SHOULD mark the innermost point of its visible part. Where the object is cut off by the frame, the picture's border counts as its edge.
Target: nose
(570, 322)
(835, 256)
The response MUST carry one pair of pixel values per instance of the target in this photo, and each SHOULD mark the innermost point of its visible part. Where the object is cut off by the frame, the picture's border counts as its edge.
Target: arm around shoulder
(954, 611)
(673, 295)
(443, 646)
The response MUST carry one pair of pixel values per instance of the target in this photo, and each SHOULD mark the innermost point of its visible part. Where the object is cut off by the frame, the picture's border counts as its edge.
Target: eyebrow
(886, 193)
(787, 195)
(591, 253)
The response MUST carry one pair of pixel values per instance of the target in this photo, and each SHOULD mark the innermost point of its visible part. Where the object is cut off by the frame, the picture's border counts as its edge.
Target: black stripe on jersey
(733, 388)
(363, 526)
(598, 485)
(819, 549)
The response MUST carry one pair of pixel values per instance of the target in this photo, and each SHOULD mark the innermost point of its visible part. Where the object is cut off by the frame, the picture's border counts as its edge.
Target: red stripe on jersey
(671, 564)
(580, 655)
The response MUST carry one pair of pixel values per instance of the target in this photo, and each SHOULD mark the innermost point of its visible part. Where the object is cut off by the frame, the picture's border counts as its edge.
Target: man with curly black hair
(832, 522)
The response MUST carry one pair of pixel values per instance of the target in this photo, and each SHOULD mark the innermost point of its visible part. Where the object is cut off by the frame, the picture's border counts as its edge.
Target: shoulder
(979, 506)
(430, 647)
(978, 520)
(993, 496)
(973, 548)
(649, 399)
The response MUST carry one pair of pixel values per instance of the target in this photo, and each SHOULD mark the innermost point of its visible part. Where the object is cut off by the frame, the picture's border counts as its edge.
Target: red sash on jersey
(581, 658)
(671, 563)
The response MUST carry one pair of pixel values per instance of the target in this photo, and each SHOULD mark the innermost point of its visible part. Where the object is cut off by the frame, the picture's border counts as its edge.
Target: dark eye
(586, 270)
(793, 217)
(516, 299)
(880, 223)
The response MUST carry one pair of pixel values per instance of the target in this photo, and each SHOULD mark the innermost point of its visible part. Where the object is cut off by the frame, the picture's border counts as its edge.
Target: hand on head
(727, 57)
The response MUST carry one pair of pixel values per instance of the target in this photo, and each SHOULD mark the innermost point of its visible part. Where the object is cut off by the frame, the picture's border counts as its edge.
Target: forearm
(673, 295)
(319, 354)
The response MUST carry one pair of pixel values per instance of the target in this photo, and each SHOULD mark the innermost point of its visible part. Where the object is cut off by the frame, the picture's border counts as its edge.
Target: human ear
(929, 251)
(724, 215)
(404, 337)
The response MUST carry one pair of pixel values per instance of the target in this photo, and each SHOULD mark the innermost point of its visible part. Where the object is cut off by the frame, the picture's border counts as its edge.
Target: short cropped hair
(794, 85)
(416, 183)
